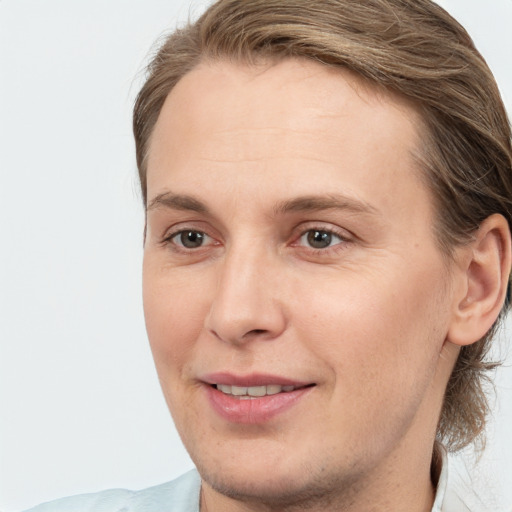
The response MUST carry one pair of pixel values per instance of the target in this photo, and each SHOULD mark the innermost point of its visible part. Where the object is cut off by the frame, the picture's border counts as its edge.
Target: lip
(254, 379)
(256, 410)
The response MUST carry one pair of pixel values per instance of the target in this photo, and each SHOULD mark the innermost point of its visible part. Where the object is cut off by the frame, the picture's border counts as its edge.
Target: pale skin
(289, 234)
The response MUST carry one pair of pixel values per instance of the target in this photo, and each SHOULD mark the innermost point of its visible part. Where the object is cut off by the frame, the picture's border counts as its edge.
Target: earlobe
(486, 270)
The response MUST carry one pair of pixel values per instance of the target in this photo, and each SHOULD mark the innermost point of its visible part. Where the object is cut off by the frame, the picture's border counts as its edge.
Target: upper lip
(253, 379)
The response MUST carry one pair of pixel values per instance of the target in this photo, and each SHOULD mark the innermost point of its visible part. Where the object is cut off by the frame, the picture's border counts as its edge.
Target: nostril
(256, 332)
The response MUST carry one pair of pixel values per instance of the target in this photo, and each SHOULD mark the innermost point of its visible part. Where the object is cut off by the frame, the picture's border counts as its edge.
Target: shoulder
(182, 494)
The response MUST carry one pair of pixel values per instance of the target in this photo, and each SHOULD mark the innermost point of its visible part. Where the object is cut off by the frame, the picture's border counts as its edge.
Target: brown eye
(190, 239)
(320, 239)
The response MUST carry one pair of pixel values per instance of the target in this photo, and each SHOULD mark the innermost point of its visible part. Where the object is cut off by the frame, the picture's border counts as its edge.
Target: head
(409, 55)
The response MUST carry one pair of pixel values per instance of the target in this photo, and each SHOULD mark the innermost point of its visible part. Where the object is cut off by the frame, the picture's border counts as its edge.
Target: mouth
(253, 392)
(255, 398)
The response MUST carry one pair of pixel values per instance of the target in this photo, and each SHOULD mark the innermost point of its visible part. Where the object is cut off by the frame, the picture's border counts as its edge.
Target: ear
(485, 269)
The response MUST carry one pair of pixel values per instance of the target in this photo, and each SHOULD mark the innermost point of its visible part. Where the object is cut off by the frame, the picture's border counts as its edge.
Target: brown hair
(411, 47)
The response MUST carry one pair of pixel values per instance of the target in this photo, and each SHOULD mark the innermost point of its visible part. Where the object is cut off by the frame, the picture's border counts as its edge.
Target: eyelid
(187, 225)
(167, 238)
(173, 236)
(330, 233)
(305, 227)
(345, 236)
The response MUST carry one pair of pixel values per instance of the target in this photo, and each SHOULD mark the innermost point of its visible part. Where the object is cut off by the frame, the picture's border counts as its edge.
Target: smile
(252, 400)
(249, 392)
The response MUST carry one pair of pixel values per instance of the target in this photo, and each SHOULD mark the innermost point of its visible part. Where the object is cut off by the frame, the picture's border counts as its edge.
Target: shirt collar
(442, 483)
(453, 494)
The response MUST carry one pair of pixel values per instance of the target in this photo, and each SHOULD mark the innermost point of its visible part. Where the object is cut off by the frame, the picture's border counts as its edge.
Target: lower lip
(253, 410)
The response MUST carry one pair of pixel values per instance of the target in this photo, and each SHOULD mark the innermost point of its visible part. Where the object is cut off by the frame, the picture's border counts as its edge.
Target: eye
(190, 239)
(320, 239)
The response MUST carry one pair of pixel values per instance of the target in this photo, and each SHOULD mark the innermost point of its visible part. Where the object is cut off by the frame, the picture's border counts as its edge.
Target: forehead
(224, 95)
(296, 122)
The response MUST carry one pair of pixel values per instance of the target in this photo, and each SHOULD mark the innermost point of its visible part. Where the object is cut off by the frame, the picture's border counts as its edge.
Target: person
(327, 253)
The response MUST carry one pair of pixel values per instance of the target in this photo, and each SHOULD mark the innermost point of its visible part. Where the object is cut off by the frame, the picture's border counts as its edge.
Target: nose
(247, 304)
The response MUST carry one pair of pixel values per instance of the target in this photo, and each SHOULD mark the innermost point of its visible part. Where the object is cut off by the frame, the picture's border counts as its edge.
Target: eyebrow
(328, 202)
(177, 202)
(300, 204)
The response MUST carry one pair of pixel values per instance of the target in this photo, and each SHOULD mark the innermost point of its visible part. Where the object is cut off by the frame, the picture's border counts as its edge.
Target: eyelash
(326, 233)
(170, 240)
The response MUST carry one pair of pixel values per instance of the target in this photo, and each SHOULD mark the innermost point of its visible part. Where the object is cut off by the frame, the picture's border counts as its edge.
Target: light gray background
(80, 405)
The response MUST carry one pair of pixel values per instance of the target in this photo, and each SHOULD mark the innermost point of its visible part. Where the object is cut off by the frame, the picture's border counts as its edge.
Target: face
(295, 299)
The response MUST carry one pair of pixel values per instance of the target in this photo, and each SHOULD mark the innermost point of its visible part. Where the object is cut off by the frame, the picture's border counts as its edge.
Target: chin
(275, 485)
(274, 490)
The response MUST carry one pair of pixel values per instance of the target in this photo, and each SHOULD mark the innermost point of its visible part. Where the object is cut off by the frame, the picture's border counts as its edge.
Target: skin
(365, 319)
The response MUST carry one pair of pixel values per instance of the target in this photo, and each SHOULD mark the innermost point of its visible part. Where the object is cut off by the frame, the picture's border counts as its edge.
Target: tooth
(273, 389)
(224, 388)
(238, 390)
(253, 391)
(257, 391)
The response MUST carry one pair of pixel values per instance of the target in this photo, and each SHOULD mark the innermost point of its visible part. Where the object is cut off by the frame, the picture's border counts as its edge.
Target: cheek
(174, 310)
(380, 348)
(378, 331)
